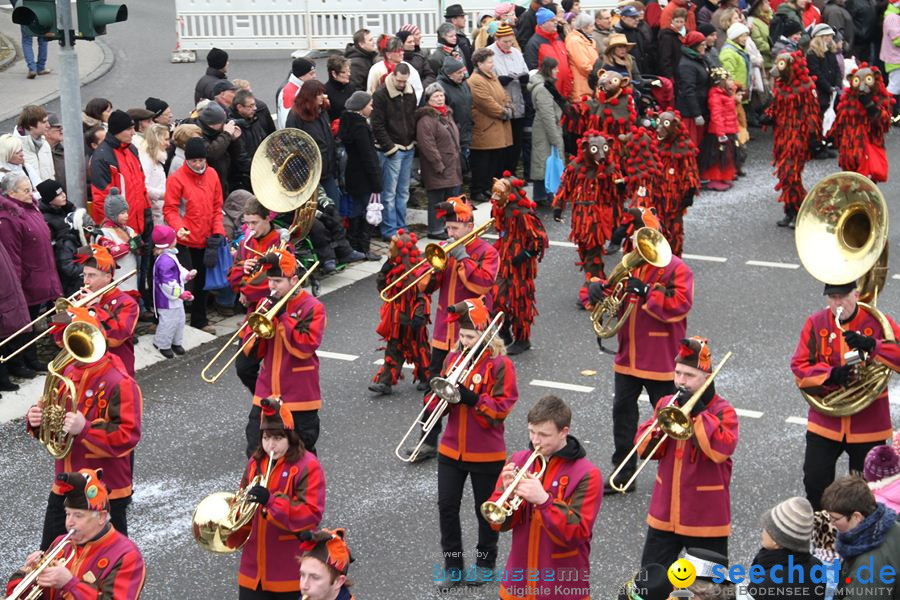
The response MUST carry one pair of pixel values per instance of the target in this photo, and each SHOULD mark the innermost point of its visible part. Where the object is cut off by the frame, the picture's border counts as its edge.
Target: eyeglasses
(835, 520)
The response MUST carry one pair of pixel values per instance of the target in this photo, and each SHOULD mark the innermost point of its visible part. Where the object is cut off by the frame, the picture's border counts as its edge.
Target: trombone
(508, 503)
(444, 388)
(59, 306)
(261, 322)
(436, 257)
(60, 555)
(673, 421)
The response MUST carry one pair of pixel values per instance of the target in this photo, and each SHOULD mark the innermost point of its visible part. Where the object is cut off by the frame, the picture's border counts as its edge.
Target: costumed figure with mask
(680, 179)
(611, 110)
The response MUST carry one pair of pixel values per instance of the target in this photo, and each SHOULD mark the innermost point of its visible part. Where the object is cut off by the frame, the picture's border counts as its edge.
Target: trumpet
(80, 298)
(59, 556)
(436, 257)
(261, 322)
(508, 503)
(444, 390)
(673, 421)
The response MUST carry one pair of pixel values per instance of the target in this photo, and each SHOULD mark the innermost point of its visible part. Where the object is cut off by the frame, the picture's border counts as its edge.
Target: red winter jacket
(722, 113)
(114, 164)
(556, 48)
(195, 203)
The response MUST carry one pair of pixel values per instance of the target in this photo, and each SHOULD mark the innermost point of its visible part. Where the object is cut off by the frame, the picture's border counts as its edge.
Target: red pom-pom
(515, 212)
(522, 193)
(596, 260)
(511, 197)
(400, 232)
(506, 173)
(404, 251)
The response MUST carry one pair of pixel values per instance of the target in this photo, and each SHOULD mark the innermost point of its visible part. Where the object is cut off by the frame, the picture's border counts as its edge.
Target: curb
(109, 60)
(5, 39)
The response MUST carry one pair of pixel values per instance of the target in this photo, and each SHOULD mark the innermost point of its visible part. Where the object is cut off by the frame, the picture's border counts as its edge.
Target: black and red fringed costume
(680, 177)
(611, 110)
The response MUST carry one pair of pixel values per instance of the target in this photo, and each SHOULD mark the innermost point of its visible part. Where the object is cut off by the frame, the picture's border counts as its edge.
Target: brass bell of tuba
(841, 235)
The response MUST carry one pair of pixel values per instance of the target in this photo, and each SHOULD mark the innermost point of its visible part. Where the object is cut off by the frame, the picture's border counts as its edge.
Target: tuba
(649, 247)
(841, 235)
(84, 343)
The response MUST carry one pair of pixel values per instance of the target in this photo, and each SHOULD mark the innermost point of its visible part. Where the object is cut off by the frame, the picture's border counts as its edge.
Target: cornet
(59, 555)
(508, 503)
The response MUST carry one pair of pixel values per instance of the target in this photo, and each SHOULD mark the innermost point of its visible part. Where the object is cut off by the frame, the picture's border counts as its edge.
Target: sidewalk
(95, 59)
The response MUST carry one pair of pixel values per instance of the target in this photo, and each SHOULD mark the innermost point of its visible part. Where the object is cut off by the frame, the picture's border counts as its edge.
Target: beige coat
(489, 104)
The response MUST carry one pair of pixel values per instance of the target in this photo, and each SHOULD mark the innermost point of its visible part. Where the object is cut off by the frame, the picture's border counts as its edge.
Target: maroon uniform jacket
(257, 289)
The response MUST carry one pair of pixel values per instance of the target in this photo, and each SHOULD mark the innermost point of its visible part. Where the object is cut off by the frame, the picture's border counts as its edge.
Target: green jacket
(736, 61)
(887, 554)
(759, 33)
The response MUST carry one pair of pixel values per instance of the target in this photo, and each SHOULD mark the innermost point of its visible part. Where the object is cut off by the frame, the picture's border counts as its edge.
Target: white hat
(736, 30)
(822, 29)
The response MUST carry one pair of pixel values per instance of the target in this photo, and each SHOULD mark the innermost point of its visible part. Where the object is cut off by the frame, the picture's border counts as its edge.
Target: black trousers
(451, 481)
(486, 164)
(513, 153)
(625, 415)
(247, 370)
(259, 594)
(434, 370)
(306, 424)
(820, 459)
(357, 226)
(192, 258)
(663, 547)
(55, 518)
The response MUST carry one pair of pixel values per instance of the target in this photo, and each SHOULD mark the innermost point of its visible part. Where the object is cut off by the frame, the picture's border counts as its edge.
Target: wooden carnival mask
(668, 125)
(500, 192)
(595, 148)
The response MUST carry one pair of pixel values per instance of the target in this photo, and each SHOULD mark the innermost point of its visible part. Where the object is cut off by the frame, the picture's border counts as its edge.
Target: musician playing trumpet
(104, 564)
(473, 444)
(552, 531)
(691, 504)
(291, 501)
(324, 565)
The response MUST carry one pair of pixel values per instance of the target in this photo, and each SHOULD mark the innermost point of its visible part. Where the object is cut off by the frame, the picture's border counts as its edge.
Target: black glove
(636, 286)
(418, 322)
(523, 79)
(688, 200)
(870, 106)
(839, 375)
(557, 214)
(211, 254)
(858, 341)
(621, 186)
(504, 80)
(596, 291)
(467, 396)
(521, 257)
(258, 494)
(135, 244)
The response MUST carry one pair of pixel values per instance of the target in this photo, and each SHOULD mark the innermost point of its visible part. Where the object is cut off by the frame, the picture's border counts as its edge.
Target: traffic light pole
(70, 105)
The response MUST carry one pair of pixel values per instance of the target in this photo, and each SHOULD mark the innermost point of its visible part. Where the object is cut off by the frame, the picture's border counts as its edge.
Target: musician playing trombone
(290, 501)
(103, 564)
(691, 505)
(473, 445)
(290, 367)
(552, 531)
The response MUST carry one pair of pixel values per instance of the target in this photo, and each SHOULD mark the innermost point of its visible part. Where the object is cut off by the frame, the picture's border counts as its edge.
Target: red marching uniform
(554, 537)
(297, 502)
(254, 289)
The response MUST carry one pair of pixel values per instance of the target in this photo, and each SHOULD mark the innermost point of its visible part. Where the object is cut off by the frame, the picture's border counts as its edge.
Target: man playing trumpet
(324, 565)
(104, 563)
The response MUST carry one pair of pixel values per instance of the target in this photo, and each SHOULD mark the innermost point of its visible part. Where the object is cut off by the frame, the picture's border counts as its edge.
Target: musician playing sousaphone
(820, 365)
(473, 444)
(104, 564)
(324, 565)
(691, 503)
(552, 532)
(291, 501)
(105, 428)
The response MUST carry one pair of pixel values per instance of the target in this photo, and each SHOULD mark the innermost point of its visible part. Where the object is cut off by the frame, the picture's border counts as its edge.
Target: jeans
(332, 190)
(436, 224)
(28, 51)
(395, 174)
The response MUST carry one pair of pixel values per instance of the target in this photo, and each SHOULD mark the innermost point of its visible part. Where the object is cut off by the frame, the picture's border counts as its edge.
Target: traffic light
(38, 17)
(95, 15)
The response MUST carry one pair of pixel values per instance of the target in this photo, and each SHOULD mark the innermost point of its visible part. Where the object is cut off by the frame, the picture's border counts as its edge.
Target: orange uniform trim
(654, 375)
(719, 531)
(703, 441)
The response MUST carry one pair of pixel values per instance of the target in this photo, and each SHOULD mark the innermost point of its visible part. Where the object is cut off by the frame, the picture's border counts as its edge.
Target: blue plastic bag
(217, 277)
(553, 171)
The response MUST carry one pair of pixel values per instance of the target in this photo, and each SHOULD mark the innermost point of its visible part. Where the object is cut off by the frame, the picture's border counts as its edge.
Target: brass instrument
(261, 322)
(80, 298)
(508, 503)
(436, 257)
(444, 390)
(649, 247)
(841, 235)
(86, 344)
(674, 421)
(59, 555)
(219, 519)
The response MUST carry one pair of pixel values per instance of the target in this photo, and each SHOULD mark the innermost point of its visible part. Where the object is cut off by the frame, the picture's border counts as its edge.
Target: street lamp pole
(70, 105)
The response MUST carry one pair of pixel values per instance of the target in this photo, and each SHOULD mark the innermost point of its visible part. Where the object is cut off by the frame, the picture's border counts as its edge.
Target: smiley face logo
(682, 573)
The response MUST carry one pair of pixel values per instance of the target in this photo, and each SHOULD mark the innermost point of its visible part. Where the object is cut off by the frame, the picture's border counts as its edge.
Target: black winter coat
(638, 51)
(692, 82)
(420, 63)
(70, 272)
(205, 84)
(226, 155)
(669, 47)
(769, 590)
(338, 94)
(458, 97)
(360, 63)
(56, 218)
(525, 27)
(320, 130)
(828, 76)
(465, 47)
(255, 129)
(866, 24)
(363, 174)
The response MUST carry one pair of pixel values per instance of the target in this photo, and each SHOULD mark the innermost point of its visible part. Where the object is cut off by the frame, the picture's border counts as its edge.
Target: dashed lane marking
(703, 257)
(380, 362)
(562, 244)
(556, 385)
(796, 421)
(897, 276)
(746, 412)
(775, 265)
(336, 355)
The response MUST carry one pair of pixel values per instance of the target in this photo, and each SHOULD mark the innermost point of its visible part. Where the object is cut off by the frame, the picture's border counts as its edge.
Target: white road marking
(897, 276)
(380, 362)
(571, 387)
(796, 420)
(562, 244)
(750, 414)
(776, 265)
(719, 259)
(336, 355)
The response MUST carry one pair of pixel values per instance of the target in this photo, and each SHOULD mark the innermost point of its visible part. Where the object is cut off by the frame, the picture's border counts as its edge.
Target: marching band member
(691, 504)
(290, 367)
(404, 321)
(292, 501)
(106, 564)
(106, 426)
(819, 366)
(648, 342)
(470, 272)
(247, 280)
(473, 444)
(323, 566)
(553, 530)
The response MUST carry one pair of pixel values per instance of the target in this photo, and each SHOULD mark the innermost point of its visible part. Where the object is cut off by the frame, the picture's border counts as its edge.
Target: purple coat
(13, 310)
(168, 281)
(27, 239)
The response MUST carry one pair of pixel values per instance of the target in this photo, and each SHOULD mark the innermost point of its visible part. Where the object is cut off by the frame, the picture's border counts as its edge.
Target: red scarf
(441, 109)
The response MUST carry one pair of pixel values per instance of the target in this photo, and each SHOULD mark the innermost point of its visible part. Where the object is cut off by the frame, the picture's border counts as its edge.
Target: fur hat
(694, 352)
(163, 236)
(84, 490)
(49, 189)
(470, 314)
(881, 462)
(97, 257)
(327, 546)
(114, 205)
(119, 121)
(358, 100)
(217, 59)
(456, 209)
(195, 148)
(275, 416)
(156, 106)
(790, 524)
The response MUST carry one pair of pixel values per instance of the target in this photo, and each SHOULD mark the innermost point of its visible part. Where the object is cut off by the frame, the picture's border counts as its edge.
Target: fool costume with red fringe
(639, 160)
(610, 111)
(520, 244)
(680, 179)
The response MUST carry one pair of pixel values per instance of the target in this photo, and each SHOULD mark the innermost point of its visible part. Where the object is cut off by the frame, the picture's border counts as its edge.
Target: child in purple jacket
(169, 279)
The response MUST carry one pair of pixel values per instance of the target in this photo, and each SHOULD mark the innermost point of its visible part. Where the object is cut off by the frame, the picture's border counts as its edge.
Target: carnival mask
(862, 81)
(612, 82)
(667, 126)
(596, 148)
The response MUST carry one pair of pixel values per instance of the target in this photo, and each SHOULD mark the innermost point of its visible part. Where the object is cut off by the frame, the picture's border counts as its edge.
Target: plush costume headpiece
(694, 352)
(275, 415)
(456, 209)
(329, 547)
(97, 257)
(84, 490)
(470, 314)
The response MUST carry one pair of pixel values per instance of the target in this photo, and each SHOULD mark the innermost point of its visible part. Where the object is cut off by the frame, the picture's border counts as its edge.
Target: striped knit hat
(790, 524)
(504, 30)
(881, 462)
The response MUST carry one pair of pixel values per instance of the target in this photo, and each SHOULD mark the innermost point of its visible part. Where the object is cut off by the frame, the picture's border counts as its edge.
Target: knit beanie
(217, 59)
(736, 30)
(881, 462)
(413, 29)
(213, 114)
(156, 106)
(543, 15)
(195, 148)
(358, 100)
(451, 65)
(118, 122)
(114, 205)
(706, 29)
(49, 189)
(790, 524)
(504, 30)
(302, 66)
(790, 28)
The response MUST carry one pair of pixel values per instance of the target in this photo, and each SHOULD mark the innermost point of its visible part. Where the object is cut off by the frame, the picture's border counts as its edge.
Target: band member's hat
(694, 352)
(456, 209)
(84, 490)
(705, 561)
(641, 216)
(470, 314)
(275, 416)
(650, 583)
(839, 288)
(82, 314)
(280, 263)
(329, 547)
(96, 256)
